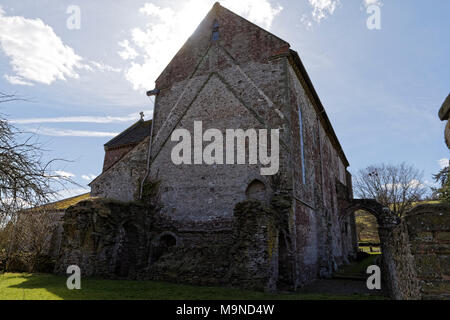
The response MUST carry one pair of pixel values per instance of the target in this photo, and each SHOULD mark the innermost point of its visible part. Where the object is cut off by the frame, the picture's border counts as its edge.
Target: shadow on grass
(15, 286)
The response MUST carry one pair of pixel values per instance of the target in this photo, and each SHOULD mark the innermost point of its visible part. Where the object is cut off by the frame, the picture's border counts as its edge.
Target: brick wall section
(429, 235)
(115, 154)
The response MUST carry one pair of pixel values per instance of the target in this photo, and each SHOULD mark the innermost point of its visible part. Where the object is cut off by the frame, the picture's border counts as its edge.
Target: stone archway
(397, 267)
(162, 244)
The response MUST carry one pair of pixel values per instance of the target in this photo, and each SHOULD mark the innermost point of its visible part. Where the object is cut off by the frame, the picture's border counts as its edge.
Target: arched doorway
(367, 232)
(162, 245)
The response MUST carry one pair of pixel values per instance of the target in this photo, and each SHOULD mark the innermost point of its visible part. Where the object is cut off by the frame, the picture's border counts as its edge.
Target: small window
(215, 34)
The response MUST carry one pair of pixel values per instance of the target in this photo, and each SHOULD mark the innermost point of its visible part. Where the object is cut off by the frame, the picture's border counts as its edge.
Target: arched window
(256, 190)
(162, 245)
(167, 241)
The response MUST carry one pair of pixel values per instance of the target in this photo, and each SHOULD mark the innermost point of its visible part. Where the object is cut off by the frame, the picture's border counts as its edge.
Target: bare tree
(26, 179)
(360, 227)
(395, 186)
(9, 97)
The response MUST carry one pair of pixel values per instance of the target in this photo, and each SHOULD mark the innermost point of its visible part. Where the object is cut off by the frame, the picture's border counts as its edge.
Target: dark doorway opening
(164, 244)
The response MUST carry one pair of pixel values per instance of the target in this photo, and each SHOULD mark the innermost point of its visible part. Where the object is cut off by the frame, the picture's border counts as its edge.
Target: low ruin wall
(429, 234)
(398, 263)
(128, 240)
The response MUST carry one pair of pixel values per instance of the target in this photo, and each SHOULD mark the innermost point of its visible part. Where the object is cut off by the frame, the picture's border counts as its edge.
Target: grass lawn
(20, 286)
(360, 267)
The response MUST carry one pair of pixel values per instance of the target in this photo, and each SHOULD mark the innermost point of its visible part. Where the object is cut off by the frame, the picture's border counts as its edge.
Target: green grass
(366, 249)
(19, 286)
(360, 267)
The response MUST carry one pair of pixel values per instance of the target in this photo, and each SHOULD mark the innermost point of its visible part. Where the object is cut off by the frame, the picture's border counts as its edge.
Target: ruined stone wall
(122, 180)
(106, 238)
(254, 251)
(429, 235)
(398, 268)
(130, 240)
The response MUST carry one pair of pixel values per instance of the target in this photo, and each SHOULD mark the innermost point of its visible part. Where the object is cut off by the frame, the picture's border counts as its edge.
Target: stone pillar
(254, 253)
(444, 115)
(398, 269)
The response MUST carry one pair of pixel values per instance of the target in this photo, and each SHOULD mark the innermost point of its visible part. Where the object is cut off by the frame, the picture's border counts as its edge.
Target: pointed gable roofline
(183, 64)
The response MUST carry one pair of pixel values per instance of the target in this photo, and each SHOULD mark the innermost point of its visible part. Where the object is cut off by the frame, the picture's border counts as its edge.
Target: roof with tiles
(133, 135)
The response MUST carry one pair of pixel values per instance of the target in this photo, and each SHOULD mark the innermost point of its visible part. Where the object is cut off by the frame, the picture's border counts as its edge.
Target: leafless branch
(395, 186)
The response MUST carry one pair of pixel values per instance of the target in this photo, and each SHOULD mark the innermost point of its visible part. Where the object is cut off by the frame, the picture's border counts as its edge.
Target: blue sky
(381, 88)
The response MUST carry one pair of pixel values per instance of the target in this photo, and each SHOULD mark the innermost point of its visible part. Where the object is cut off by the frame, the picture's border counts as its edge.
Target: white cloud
(17, 80)
(64, 174)
(88, 177)
(84, 119)
(104, 67)
(71, 133)
(127, 52)
(170, 27)
(443, 163)
(323, 8)
(36, 53)
(372, 2)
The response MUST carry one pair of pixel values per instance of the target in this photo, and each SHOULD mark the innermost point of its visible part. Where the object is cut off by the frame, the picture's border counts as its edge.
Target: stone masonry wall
(398, 268)
(105, 238)
(129, 240)
(122, 180)
(323, 241)
(429, 235)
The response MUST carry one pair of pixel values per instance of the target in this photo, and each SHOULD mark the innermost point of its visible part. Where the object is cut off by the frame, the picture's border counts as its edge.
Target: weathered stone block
(445, 264)
(443, 236)
(436, 287)
(428, 266)
(424, 236)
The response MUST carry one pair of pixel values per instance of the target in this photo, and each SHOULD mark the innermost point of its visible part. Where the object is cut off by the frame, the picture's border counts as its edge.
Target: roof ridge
(136, 127)
(124, 132)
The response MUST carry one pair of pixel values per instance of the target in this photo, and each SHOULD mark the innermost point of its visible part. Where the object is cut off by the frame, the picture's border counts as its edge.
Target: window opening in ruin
(164, 244)
(256, 190)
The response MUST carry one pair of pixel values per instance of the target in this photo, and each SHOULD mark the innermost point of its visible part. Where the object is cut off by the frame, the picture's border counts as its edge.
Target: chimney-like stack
(444, 115)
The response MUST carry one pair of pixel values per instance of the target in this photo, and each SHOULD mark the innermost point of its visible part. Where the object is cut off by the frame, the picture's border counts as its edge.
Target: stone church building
(227, 222)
